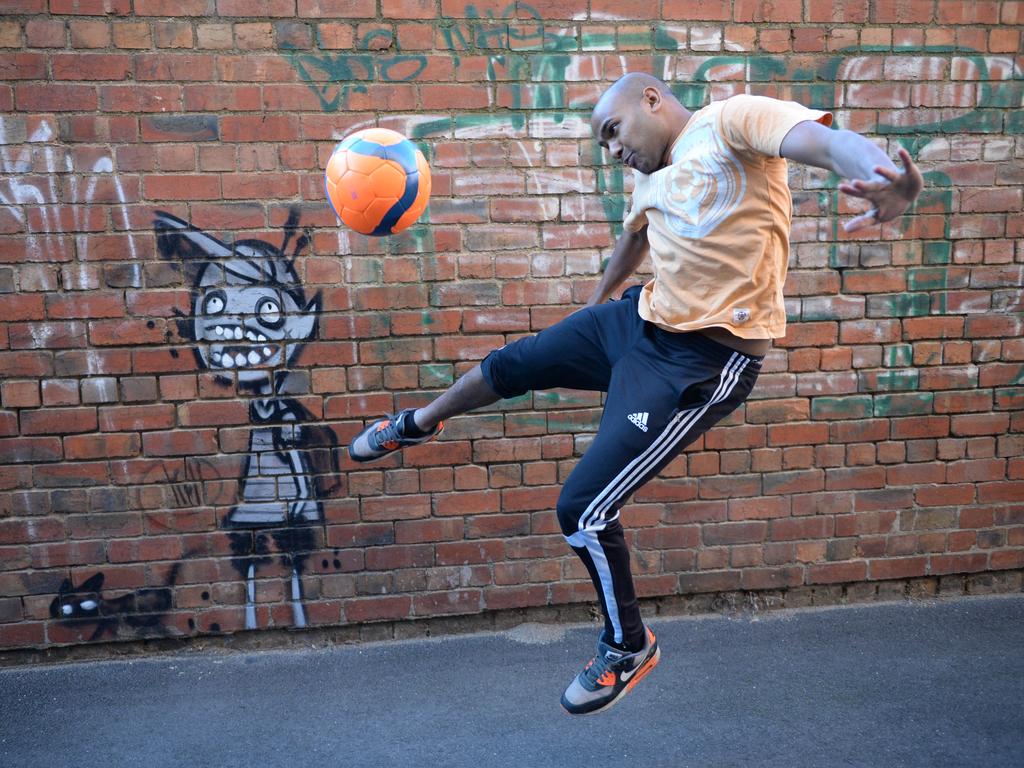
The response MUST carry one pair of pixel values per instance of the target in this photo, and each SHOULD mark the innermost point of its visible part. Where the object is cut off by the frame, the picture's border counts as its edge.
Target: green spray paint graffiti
(536, 63)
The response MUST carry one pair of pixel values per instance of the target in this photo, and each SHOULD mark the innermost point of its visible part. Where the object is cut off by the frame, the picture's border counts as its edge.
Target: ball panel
(383, 136)
(362, 162)
(378, 212)
(404, 154)
(356, 191)
(333, 195)
(388, 181)
(419, 203)
(356, 220)
(337, 165)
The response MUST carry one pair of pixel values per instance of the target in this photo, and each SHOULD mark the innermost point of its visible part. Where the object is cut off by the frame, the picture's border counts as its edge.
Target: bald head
(631, 86)
(637, 119)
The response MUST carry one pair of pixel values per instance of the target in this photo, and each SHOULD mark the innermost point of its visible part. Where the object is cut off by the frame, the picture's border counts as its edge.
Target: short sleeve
(758, 124)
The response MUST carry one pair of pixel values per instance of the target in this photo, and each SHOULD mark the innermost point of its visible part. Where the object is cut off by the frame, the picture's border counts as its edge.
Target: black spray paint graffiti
(249, 320)
(143, 610)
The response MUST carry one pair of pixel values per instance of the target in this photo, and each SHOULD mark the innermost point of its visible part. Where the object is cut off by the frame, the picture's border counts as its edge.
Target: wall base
(730, 603)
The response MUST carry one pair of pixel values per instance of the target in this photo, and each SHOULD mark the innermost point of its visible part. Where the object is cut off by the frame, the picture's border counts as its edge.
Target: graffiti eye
(269, 313)
(214, 303)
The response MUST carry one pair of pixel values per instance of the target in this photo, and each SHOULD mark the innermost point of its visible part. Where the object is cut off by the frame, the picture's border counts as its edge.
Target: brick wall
(883, 441)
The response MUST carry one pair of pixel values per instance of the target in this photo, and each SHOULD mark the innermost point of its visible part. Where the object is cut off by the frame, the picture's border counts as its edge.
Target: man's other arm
(872, 175)
(630, 251)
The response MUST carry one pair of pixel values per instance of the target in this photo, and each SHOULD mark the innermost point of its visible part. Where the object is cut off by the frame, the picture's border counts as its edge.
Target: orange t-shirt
(718, 220)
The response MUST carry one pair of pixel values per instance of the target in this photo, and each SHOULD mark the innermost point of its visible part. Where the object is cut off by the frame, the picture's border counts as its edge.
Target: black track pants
(664, 390)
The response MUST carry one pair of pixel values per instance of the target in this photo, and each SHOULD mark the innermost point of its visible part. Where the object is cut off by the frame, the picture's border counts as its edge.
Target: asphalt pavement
(930, 684)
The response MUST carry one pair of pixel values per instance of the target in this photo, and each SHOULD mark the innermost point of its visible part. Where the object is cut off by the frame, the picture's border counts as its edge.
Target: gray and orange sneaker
(387, 435)
(609, 676)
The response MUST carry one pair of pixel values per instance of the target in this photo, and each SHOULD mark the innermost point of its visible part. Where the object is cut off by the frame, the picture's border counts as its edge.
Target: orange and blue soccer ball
(378, 182)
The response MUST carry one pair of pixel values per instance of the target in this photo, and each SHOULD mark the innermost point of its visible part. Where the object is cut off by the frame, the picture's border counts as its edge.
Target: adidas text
(639, 420)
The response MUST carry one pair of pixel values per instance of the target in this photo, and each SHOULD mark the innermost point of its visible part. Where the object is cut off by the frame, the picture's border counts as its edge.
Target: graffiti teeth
(253, 358)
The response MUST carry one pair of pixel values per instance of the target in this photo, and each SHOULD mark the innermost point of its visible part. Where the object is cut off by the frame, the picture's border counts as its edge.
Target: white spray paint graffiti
(21, 190)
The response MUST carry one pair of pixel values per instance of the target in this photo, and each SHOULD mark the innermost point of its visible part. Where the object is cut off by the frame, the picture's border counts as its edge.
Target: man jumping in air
(712, 207)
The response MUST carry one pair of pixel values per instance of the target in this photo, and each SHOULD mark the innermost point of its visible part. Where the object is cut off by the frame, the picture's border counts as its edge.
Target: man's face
(629, 128)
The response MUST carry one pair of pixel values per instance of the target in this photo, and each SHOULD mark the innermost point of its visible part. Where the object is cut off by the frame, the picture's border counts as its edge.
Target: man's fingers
(890, 173)
(849, 189)
(913, 173)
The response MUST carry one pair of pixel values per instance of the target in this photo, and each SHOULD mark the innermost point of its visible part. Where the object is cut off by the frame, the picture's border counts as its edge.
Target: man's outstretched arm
(630, 251)
(871, 174)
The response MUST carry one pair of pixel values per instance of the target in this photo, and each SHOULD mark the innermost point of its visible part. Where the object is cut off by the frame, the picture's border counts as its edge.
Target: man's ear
(652, 98)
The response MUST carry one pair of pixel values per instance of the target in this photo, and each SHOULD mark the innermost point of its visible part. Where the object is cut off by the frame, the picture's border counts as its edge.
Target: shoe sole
(645, 670)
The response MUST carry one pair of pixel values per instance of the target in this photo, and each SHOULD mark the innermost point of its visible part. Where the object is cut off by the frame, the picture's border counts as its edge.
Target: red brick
(378, 608)
(798, 434)
(772, 578)
(832, 573)
(759, 508)
(979, 424)
(791, 529)
(467, 553)
(20, 394)
(965, 563)
(23, 66)
(136, 417)
(58, 421)
(450, 602)
(734, 533)
(898, 568)
(55, 97)
(91, 66)
(102, 446)
(716, 581)
(180, 442)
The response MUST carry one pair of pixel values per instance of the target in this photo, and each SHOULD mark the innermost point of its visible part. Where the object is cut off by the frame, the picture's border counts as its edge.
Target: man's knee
(569, 512)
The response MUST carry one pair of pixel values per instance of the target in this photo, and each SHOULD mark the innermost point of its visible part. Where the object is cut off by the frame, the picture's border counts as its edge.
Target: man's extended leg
(469, 392)
(570, 354)
(415, 426)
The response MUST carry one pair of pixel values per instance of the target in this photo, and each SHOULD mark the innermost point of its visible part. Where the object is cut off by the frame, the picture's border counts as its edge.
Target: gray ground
(900, 684)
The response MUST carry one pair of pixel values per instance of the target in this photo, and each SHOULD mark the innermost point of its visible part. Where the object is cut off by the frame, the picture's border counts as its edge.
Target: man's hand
(889, 198)
(872, 175)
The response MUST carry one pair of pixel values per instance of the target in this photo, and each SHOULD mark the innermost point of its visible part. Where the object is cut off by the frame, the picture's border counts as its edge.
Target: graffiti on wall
(539, 62)
(31, 191)
(249, 321)
(142, 610)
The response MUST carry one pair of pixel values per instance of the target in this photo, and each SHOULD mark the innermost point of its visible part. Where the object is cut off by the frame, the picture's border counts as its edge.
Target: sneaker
(609, 676)
(385, 436)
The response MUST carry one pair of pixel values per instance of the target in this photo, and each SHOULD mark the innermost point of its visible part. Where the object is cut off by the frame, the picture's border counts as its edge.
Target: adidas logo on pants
(640, 419)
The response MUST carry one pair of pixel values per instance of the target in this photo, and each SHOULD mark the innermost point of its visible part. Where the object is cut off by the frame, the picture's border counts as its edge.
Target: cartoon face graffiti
(249, 310)
(242, 321)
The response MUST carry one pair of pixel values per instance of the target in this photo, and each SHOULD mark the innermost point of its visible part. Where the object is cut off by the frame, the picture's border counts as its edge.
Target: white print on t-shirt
(702, 187)
(740, 315)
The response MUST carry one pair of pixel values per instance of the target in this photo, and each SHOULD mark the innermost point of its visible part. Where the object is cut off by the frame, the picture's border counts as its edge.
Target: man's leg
(648, 419)
(469, 392)
(572, 353)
